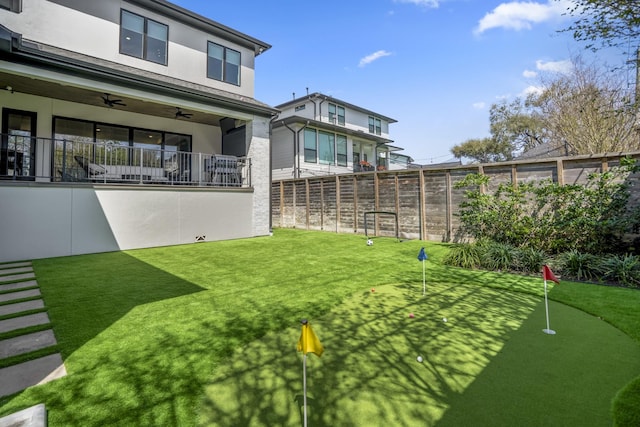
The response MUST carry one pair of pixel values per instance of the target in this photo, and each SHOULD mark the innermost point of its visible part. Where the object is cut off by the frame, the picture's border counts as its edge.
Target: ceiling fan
(180, 113)
(112, 102)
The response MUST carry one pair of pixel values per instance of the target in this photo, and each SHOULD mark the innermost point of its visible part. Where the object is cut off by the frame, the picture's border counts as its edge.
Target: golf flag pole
(422, 256)
(308, 343)
(547, 274)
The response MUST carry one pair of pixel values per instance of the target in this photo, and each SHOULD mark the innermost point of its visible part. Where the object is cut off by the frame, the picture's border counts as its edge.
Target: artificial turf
(155, 336)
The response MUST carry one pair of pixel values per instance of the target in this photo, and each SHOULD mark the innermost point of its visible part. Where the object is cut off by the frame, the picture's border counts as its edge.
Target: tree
(483, 150)
(613, 22)
(588, 110)
(514, 128)
(516, 124)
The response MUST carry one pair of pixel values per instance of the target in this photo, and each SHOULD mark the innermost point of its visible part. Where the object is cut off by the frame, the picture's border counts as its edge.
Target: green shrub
(623, 269)
(589, 218)
(497, 256)
(530, 260)
(465, 255)
(580, 266)
(626, 410)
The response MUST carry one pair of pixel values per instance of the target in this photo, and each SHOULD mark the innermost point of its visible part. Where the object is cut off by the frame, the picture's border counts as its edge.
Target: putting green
(489, 364)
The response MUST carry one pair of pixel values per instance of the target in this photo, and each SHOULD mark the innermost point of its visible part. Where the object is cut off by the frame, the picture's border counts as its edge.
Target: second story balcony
(24, 158)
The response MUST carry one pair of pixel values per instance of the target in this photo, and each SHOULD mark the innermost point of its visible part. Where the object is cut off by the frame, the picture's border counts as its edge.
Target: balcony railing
(28, 158)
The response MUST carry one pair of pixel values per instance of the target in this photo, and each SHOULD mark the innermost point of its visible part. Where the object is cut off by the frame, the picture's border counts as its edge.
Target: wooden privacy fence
(425, 200)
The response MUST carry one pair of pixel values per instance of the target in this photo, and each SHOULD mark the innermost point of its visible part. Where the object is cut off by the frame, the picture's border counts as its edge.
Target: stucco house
(127, 124)
(318, 135)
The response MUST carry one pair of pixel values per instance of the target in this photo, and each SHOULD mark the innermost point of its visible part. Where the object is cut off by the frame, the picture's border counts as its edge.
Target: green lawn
(206, 334)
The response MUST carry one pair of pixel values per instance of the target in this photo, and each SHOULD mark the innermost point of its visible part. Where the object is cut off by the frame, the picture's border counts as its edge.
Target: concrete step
(18, 285)
(16, 270)
(19, 295)
(20, 307)
(17, 277)
(23, 322)
(35, 416)
(26, 343)
(34, 372)
(15, 264)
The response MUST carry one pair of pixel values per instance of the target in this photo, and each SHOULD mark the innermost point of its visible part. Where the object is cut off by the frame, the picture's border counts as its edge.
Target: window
(310, 149)
(116, 142)
(12, 5)
(341, 150)
(326, 148)
(300, 107)
(375, 125)
(336, 114)
(223, 64)
(143, 38)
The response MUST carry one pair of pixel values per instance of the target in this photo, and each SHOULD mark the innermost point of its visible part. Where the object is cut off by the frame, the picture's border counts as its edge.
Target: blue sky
(435, 66)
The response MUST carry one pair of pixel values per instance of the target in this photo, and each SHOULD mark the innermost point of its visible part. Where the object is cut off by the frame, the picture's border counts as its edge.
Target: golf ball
(444, 319)
(419, 359)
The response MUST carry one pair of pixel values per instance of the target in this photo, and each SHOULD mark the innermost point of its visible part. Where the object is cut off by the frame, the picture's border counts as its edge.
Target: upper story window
(336, 114)
(300, 107)
(223, 63)
(12, 5)
(143, 38)
(375, 125)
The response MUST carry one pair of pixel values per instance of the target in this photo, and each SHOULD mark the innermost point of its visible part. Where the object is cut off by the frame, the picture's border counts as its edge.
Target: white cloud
(529, 74)
(374, 56)
(532, 90)
(426, 3)
(563, 67)
(517, 15)
(479, 105)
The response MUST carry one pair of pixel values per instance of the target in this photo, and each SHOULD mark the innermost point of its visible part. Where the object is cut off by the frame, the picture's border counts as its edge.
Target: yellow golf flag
(309, 342)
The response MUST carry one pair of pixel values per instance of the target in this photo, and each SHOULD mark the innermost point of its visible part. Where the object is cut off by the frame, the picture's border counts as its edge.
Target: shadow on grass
(93, 292)
(87, 301)
(369, 374)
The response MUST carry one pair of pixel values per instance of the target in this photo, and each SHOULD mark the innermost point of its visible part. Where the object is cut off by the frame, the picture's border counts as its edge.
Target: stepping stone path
(19, 293)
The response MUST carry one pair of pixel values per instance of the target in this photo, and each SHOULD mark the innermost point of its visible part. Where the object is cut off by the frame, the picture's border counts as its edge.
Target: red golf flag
(547, 274)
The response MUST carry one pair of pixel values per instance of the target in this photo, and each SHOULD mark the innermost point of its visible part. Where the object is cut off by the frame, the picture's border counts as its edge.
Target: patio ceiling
(48, 89)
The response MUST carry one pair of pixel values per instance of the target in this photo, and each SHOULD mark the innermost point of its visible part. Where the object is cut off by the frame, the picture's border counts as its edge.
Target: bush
(623, 269)
(580, 266)
(589, 218)
(530, 260)
(626, 411)
(497, 256)
(465, 255)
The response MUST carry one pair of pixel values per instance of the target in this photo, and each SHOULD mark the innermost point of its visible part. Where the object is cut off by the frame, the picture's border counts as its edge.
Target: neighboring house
(319, 135)
(399, 161)
(545, 150)
(127, 124)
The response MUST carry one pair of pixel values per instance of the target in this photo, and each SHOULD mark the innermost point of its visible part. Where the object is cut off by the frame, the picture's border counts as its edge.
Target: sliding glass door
(18, 147)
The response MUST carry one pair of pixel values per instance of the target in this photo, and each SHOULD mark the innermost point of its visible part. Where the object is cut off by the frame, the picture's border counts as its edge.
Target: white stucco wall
(97, 34)
(41, 221)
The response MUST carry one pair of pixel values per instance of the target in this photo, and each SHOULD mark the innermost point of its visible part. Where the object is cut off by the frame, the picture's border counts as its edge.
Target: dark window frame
(11, 5)
(145, 36)
(339, 158)
(308, 151)
(337, 115)
(375, 125)
(225, 78)
(131, 129)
